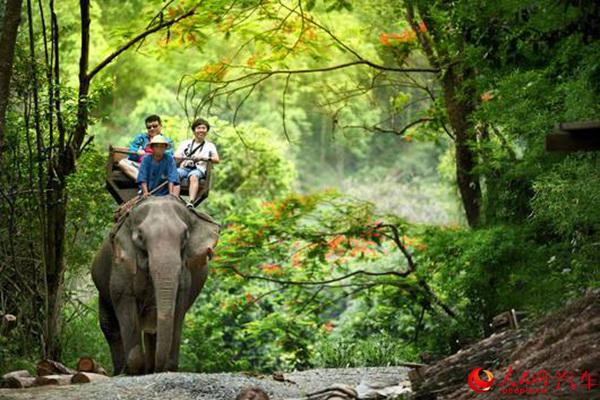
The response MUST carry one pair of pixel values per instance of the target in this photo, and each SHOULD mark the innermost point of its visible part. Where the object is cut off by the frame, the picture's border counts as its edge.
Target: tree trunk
(459, 109)
(459, 99)
(8, 40)
(61, 166)
(56, 203)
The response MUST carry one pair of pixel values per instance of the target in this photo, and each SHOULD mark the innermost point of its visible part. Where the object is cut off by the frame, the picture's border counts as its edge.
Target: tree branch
(140, 37)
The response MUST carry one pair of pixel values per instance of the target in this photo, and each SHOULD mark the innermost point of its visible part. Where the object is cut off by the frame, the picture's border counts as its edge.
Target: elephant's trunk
(165, 273)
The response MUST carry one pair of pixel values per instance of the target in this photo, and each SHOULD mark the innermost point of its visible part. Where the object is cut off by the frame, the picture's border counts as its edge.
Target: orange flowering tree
(282, 274)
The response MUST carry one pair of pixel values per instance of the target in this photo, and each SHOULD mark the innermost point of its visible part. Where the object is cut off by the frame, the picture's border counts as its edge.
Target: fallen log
(50, 367)
(88, 364)
(17, 380)
(20, 373)
(53, 380)
(87, 377)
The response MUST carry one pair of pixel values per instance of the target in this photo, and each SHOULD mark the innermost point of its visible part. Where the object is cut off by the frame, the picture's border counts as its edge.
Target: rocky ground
(175, 386)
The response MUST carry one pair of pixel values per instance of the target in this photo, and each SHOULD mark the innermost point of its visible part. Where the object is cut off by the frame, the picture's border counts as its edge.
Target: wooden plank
(563, 141)
(579, 126)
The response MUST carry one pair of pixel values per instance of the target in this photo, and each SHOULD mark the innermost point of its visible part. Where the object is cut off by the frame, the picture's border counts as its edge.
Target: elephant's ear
(124, 251)
(204, 234)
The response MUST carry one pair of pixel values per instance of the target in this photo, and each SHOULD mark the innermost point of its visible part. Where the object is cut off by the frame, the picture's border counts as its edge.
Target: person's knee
(195, 177)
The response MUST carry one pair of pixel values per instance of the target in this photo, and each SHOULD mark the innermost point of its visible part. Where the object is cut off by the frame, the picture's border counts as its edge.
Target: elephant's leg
(110, 327)
(129, 322)
(149, 351)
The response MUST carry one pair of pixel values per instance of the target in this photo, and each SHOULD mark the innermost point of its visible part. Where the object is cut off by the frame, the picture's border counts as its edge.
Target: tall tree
(65, 145)
(8, 40)
(456, 80)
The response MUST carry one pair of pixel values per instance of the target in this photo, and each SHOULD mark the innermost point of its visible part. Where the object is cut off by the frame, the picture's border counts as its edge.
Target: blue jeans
(188, 173)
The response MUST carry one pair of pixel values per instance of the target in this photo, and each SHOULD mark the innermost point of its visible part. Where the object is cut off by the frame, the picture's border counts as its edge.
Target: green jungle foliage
(318, 175)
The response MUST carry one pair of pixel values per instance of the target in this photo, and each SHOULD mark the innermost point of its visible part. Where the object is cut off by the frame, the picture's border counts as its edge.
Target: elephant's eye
(138, 238)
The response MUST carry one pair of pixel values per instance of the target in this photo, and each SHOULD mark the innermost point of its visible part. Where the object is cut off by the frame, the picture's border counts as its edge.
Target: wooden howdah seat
(122, 188)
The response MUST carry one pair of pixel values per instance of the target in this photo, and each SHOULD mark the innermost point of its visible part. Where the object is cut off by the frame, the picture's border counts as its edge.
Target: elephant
(148, 273)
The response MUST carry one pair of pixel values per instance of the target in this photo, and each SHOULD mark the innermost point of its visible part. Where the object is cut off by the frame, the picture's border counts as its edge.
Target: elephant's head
(173, 244)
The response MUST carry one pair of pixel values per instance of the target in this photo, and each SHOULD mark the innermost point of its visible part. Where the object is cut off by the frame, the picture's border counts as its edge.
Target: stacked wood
(50, 372)
(53, 380)
(17, 380)
(50, 367)
(87, 377)
(88, 364)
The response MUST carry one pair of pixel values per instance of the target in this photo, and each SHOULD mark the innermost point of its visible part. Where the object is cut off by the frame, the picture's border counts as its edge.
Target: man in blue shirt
(157, 168)
(141, 146)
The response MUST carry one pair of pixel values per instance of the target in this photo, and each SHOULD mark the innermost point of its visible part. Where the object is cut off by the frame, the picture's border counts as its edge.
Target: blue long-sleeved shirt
(141, 141)
(155, 172)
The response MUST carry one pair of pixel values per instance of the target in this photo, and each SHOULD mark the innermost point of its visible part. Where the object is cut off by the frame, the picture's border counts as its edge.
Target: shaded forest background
(384, 189)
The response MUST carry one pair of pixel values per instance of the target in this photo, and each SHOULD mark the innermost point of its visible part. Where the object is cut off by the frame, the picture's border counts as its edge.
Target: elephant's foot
(135, 361)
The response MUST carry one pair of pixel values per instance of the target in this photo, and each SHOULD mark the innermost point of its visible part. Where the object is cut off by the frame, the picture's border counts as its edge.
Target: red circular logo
(478, 384)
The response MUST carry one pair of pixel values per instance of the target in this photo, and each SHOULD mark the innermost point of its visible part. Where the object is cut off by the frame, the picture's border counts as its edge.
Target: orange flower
(384, 38)
(391, 39)
(422, 26)
(271, 268)
(296, 259)
(328, 326)
(335, 242)
(487, 96)
(414, 243)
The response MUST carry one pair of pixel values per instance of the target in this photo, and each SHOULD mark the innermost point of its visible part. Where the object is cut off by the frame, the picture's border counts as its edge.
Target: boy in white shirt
(200, 151)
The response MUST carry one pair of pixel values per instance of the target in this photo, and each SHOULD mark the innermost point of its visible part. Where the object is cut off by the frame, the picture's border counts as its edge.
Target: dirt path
(179, 386)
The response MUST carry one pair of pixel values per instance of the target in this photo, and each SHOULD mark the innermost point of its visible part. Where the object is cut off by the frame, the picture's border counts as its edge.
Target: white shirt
(190, 147)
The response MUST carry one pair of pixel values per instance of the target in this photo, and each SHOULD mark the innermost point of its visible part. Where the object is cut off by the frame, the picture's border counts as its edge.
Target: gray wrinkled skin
(147, 279)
